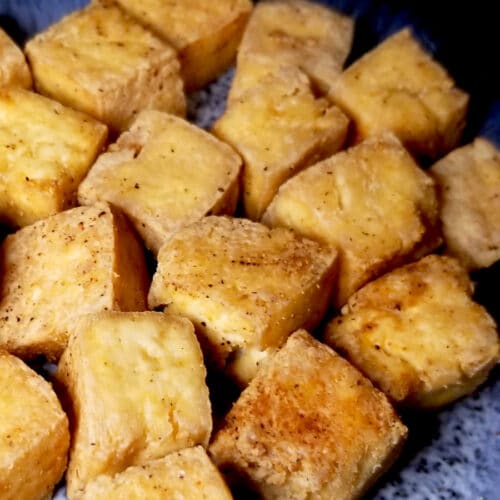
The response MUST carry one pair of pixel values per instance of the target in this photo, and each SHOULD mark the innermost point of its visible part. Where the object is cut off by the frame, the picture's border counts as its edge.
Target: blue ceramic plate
(454, 453)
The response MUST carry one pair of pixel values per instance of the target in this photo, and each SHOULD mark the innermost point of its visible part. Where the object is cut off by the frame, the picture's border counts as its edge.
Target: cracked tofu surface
(417, 334)
(398, 87)
(372, 202)
(245, 289)
(135, 384)
(102, 62)
(309, 425)
(164, 173)
(298, 33)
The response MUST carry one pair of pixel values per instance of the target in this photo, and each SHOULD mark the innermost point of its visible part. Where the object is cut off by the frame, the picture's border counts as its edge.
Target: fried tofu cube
(100, 61)
(372, 202)
(398, 87)
(279, 128)
(205, 33)
(45, 151)
(244, 286)
(137, 391)
(80, 261)
(164, 173)
(187, 473)
(14, 71)
(308, 426)
(468, 181)
(299, 33)
(417, 334)
(34, 435)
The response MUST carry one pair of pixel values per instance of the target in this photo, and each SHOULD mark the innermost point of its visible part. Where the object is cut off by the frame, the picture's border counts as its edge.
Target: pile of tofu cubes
(298, 251)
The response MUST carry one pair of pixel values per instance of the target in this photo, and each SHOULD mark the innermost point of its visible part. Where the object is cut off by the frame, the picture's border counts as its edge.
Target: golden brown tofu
(84, 260)
(244, 286)
(187, 474)
(398, 87)
(206, 33)
(372, 202)
(468, 181)
(164, 174)
(34, 435)
(45, 151)
(279, 128)
(417, 334)
(14, 71)
(100, 61)
(308, 426)
(137, 391)
(297, 33)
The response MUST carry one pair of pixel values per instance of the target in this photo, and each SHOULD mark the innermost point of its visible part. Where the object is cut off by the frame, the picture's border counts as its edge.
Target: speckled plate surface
(454, 453)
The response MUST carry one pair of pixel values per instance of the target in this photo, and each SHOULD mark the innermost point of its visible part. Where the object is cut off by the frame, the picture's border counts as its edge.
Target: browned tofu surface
(372, 202)
(397, 86)
(45, 151)
(468, 182)
(34, 435)
(206, 33)
(297, 33)
(14, 71)
(83, 260)
(186, 474)
(136, 389)
(417, 334)
(308, 426)
(100, 61)
(164, 173)
(243, 285)
(279, 128)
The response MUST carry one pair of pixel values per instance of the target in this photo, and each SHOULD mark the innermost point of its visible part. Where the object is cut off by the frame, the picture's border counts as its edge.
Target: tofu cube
(14, 71)
(186, 474)
(205, 33)
(137, 391)
(244, 286)
(372, 202)
(417, 334)
(279, 128)
(34, 435)
(468, 181)
(164, 173)
(46, 149)
(80, 261)
(100, 61)
(309, 425)
(398, 87)
(298, 33)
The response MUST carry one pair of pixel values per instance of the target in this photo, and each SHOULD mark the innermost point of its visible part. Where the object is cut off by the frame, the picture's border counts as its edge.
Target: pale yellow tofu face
(398, 87)
(164, 174)
(34, 435)
(102, 62)
(136, 382)
(45, 151)
(372, 202)
(279, 128)
(468, 182)
(417, 334)
(206, 33)
(303, 426)
(299, 33)
(186, 474)
(242, 284)
(80, 261)
(14, 71)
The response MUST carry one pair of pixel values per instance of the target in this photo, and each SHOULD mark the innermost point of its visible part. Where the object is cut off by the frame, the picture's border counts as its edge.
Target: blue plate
(454, 453)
